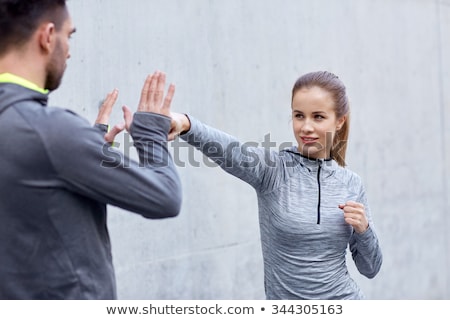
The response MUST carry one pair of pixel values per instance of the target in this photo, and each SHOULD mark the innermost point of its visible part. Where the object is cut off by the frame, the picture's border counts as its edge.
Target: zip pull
(319, 188)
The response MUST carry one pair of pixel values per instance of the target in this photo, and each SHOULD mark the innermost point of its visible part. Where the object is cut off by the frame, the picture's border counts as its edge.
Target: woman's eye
(299, 116)
(319, 117)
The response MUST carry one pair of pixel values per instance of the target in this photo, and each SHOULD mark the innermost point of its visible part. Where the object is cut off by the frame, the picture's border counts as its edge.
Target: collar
(312, 163)
(11, 78)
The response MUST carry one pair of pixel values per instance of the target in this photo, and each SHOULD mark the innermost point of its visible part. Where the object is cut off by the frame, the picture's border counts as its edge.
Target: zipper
(319, 200)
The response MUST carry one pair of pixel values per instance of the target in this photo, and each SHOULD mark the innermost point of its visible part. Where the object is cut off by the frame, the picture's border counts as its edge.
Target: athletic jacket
(56, 177)
(303, 232)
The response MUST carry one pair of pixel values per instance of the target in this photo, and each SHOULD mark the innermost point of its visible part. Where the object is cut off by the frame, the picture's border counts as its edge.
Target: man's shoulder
(50, 124)
(39, 115)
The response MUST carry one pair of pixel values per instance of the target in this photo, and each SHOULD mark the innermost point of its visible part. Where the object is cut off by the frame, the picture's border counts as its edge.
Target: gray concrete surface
(234, 63)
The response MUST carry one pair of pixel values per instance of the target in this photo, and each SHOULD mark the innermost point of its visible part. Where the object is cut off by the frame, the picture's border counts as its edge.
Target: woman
(311, 207)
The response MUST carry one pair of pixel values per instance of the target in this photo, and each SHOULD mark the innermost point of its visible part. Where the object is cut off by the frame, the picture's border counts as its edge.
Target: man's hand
(106, 108)
(152, 95)
(152, 100)
(105, 112)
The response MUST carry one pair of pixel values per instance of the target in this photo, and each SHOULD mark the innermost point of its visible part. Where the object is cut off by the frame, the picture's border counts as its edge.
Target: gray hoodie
(303, 232)
(57, 176)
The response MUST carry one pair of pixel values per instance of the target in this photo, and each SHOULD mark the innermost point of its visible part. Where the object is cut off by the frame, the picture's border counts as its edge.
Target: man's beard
(55, 68)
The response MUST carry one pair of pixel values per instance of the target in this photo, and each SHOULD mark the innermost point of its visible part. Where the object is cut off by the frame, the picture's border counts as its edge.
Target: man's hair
(19, 19)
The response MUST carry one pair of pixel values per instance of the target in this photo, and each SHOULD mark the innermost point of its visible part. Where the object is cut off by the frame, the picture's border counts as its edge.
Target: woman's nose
(307, 126)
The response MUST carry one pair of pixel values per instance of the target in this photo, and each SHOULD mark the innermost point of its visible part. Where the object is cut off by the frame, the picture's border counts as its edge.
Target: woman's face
(314, 122)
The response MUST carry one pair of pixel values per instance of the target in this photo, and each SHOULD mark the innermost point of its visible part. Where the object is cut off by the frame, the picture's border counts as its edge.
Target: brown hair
(331, 83)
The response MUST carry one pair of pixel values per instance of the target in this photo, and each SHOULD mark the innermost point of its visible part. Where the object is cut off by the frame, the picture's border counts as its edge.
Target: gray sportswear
(303, 233)
(57, 176)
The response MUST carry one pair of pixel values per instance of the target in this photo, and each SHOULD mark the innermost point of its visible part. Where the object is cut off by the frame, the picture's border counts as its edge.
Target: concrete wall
(234, 63)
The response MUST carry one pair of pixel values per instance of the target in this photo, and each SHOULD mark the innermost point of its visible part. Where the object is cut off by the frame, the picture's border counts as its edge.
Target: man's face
(57, 62)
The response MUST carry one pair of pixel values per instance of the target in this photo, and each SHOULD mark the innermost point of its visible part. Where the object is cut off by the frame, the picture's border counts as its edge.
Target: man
(57, 174)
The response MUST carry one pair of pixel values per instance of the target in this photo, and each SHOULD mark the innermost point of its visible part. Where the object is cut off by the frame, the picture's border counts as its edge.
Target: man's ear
(47, 36)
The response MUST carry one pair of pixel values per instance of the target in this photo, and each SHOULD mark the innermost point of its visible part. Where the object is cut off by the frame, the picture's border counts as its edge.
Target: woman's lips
(308, 140)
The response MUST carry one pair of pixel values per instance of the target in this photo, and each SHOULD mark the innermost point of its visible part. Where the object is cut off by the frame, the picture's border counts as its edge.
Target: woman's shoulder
(348, 177)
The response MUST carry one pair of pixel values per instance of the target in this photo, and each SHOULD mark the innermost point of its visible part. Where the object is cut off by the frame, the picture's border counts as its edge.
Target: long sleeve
(89, 166)
(365, 247)
(246, 161)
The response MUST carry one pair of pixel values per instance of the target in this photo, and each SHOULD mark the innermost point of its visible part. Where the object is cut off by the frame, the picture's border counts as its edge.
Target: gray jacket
(57, 176)
(303, 232)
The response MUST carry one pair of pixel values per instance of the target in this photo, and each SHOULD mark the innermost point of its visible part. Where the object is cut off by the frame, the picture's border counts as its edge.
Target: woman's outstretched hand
(180, 124)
